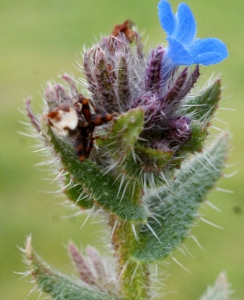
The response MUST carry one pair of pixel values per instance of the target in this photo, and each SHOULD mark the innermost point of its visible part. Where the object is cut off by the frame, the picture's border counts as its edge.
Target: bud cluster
(120, 78)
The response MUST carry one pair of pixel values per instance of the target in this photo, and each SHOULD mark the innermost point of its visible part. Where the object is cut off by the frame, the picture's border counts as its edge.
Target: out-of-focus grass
(40, 39)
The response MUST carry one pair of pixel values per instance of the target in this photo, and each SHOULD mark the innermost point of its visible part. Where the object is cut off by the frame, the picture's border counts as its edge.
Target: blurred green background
(41, 39)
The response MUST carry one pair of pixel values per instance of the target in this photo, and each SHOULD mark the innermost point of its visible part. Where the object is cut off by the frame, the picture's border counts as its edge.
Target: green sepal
(204, 105)
(120, 142)
(152, 159)
(101, 188)
(124, 133)
(76, 193)
(195, 143)
(58, 285)
(174, 211)
(123, 144)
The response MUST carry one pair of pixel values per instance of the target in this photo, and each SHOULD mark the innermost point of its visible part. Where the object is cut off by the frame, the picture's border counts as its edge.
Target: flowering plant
(130, 148)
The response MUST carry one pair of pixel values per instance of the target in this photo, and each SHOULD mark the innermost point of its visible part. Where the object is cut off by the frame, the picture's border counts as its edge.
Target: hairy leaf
(58, 285)
(102, 188)
(76, 193)
(174, 212)
(205, 104)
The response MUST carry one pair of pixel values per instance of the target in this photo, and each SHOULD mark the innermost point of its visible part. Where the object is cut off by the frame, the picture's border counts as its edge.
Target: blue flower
(181, 30)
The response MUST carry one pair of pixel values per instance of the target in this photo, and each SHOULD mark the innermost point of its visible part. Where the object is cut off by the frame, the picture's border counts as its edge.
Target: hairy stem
(133, 275)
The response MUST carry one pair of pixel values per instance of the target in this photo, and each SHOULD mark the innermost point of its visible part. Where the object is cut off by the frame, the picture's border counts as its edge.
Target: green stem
(132, 274)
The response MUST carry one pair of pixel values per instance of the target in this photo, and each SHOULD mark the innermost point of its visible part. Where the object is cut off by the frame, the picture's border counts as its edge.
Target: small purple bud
(153, 71)
(50, 94)
(180, 88)
(191, 80)
(122, 81)
(105, 43)
(55, 94)
(151, 105)
(88, 66)
(104, 85)
(97, 263)
(175, 90)
(71, 83)
(180, 130)
(81, 266)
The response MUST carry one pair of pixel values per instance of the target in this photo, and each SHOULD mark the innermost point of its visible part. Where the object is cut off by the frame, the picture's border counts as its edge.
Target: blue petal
(166, 17)
(178, 54)
(208, 51)
(186, 27)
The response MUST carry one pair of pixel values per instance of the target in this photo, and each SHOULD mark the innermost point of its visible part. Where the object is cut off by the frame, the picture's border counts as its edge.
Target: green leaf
(174, 211)
(152, 159)
(196, 141)
(57, 285)
(101, 188)
(204, 105)
(76, 193)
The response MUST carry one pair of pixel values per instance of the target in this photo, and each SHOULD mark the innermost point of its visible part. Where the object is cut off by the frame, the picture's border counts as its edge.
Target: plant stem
(133, 275)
